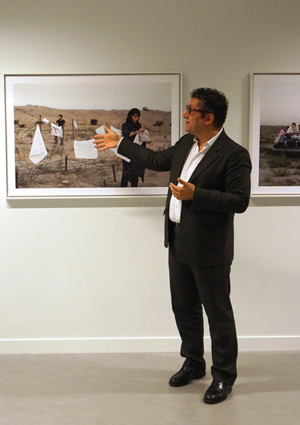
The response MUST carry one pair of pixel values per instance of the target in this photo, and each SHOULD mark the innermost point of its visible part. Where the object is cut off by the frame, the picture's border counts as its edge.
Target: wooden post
(73, 131)
(66, 164)
(114, 172)
(17, 176)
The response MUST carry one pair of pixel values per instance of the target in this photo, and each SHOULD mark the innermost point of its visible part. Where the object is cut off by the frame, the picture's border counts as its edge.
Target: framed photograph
(275, 134)
(51, 121)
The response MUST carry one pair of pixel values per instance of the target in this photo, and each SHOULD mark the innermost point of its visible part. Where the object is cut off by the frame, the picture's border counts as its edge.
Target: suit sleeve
(153, 160)
(234, 195)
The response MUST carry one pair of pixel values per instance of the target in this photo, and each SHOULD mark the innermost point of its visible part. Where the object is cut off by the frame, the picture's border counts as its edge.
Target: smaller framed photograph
(51, 121)
(275, 134)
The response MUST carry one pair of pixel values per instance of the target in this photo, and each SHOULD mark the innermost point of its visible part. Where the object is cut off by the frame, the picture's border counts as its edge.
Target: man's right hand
(109, 140)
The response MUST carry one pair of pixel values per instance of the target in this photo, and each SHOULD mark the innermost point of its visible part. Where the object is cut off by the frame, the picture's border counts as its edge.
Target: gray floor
(121, 389)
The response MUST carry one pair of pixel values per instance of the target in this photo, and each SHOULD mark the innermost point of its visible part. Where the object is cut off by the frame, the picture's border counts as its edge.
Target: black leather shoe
(185, 376)
(217, 392)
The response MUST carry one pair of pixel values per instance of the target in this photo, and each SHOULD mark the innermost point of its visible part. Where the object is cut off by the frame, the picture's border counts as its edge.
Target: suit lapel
(181, 159)
(211, 156)
(178, 163)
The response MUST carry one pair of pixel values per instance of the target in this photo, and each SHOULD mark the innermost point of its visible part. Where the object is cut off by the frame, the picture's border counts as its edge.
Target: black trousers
(193, 288)
(134, 178)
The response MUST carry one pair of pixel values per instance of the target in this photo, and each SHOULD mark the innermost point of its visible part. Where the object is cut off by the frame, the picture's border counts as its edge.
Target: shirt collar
(211, 141)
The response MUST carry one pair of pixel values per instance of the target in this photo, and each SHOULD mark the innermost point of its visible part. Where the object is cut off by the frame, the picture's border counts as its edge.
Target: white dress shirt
(193, 159)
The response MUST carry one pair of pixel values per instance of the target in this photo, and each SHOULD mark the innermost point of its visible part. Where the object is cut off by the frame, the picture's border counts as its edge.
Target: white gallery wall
(90, 275)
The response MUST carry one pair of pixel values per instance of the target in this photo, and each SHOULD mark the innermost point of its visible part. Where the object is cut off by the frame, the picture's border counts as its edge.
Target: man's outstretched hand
(109, 140)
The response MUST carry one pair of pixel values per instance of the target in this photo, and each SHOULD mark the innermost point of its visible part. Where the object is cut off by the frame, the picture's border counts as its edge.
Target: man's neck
(205, 137)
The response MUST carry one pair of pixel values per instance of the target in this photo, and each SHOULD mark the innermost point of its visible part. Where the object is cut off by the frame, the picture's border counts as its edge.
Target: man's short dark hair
(214, 101)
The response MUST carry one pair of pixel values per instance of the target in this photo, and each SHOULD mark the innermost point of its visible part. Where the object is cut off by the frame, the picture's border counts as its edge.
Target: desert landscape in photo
(276, 168)
(60, 168)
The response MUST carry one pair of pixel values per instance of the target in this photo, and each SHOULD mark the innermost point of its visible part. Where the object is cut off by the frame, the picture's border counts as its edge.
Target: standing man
(61, 123)
(209, 183)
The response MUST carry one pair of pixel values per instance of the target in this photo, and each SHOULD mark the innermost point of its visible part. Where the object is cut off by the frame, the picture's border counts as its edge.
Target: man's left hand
(185, 192)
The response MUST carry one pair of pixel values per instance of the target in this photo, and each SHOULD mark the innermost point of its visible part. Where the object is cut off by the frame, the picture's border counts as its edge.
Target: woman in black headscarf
(131, 170)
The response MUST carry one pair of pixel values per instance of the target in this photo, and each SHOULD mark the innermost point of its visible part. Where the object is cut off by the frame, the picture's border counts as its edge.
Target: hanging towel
(38, 150)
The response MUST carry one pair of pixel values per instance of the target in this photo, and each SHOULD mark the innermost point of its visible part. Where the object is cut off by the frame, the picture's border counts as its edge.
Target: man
(61, 123)
(209, 183)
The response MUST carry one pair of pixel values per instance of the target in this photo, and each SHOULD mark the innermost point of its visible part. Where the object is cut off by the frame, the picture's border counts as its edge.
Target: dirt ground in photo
(60, 168)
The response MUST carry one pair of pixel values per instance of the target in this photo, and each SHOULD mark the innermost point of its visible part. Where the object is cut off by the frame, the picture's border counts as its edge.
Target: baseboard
(89, 345)
(269, 343)
(136, 345)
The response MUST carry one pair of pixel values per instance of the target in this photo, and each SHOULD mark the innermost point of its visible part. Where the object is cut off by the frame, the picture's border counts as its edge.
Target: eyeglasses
(191, 111)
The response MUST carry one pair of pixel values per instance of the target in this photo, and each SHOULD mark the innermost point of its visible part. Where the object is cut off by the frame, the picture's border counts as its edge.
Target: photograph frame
(275, 152)
(150, 91)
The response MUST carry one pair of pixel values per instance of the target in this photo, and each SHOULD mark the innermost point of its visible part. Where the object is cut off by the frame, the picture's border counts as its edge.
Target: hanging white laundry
(137, 139)
(45, 121)
(101, 130)
(38, 150)
(85, 149)
(116, 130)
(75, 124)
(56, 130)
(142, 137)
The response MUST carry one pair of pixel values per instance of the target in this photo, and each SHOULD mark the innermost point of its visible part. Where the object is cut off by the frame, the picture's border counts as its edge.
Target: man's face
(194, 122)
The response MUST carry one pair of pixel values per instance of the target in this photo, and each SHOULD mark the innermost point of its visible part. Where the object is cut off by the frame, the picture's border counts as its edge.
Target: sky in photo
(280, 103)
(92, 94)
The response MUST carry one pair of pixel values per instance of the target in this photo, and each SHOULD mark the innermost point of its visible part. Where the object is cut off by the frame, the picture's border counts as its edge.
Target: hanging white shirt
(193, 159)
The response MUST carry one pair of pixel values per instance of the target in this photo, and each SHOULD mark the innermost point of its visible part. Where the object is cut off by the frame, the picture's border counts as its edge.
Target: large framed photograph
(51, 121)
(275, 134)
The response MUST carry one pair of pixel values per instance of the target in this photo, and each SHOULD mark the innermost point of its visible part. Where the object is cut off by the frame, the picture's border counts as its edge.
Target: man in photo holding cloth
(209, 183)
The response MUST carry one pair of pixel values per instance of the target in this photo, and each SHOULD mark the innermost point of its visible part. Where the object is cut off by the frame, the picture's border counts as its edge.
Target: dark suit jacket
(222, 181)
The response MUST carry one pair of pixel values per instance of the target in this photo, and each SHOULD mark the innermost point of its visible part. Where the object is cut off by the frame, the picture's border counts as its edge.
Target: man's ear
(209, 118)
